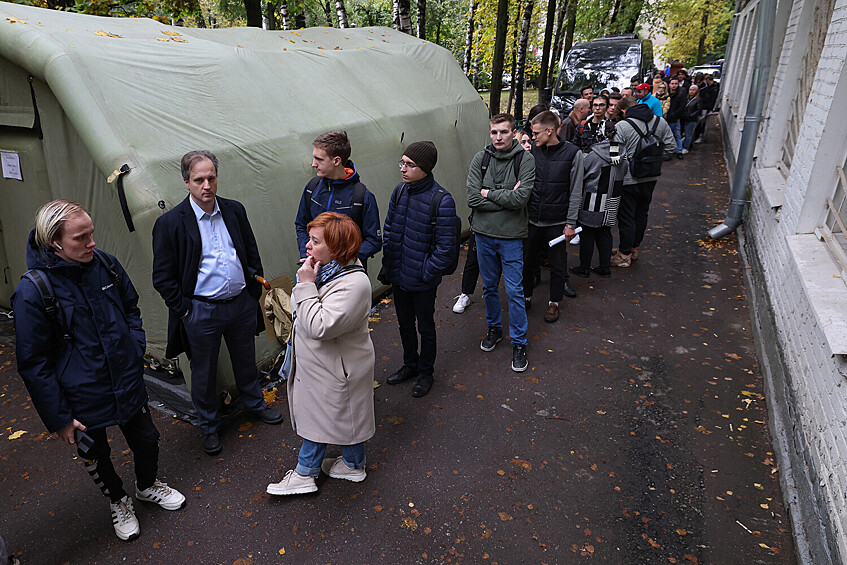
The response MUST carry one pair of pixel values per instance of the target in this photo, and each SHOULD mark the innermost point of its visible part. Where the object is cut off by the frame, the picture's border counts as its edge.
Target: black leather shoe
(212, 443)
(568, 291)
(602, 271)
(402, 375)
(422, 386)
(580, 271)
(269, 415)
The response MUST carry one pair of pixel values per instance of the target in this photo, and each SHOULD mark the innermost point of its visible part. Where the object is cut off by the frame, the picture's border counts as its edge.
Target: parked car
(602, 63)
(714, 70)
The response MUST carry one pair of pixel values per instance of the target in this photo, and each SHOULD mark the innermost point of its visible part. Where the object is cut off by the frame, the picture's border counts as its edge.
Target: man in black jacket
(677, 107)
(553, 208)
(205, 263)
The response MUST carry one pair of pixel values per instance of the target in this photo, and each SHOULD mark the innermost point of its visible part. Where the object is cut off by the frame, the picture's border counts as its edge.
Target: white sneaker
(124, 520)
(698, 140)
(685, 151)
(462, 302)
(163, 495)
(293, 483)
(338, 469)
(575, 240)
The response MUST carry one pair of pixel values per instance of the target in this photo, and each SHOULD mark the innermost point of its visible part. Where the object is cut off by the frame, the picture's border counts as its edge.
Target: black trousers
(143, 439)
(417, 306)
(471, 272)
(536, 240)
(588, 238)
(632, 214)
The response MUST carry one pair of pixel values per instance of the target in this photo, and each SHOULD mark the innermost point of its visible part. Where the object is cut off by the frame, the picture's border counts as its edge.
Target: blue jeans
(689, 133)
(676, 128)
(312, 454)
(504, 256)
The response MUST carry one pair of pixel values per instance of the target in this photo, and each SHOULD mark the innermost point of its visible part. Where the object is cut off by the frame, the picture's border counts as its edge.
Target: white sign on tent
(11, 165)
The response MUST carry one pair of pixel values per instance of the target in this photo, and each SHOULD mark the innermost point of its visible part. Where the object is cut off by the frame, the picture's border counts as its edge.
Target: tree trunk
(402, 16)
(499, 55)
(571, 25)
(521, 66)
(545, 52)
(513, 68)
(556, 54)
(328, 15)
(438, 32)
(476, 59)
(701, 47)
(342, 13)
(270, 15)
(300, 17)
(615, 9)
(422, 19)
(469, 36)
(286, 18)
(254, 12)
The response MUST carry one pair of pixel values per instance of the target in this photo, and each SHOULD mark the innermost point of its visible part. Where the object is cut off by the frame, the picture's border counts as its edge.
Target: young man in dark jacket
(83, 366)
(553, 208)
(335, 189)
(417, 250)
(677, 107)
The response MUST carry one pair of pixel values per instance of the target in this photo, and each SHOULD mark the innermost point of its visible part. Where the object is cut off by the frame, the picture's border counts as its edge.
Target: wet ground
(639, 435)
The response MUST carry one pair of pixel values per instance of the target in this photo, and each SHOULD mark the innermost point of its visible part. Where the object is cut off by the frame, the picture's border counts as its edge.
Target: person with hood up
(417, 250)
(337, 188)
(637, 192)
(498, 193)
(81, 356)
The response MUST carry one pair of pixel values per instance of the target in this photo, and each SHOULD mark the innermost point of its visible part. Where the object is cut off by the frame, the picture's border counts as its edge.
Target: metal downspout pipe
(755, 106)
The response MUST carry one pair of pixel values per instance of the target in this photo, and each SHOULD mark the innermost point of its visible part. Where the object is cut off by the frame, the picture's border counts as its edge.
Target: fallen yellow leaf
(17, 434)
(102, 33)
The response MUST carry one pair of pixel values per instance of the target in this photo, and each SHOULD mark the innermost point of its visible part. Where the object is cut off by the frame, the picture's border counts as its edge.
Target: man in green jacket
(498, 193)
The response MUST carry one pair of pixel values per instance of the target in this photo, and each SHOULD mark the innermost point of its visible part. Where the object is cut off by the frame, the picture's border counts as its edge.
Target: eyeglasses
(537, 133)
(409, 166)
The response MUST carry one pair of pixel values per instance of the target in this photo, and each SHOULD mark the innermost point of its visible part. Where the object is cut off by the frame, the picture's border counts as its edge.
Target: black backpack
(357, 202)
(48, 297)
(649, 154)
(486, 160)
(434, 205)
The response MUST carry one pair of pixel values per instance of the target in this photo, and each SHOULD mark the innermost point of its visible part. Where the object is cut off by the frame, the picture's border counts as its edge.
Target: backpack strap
(107, 262)
(48, 300)
(434, 205)
(312, 185)
(636, 128)
(486, 160)
(358, 205)
(517, 162)
(655, 125)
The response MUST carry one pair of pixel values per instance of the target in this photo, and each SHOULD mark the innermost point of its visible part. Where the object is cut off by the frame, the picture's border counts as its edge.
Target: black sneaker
(495, 336)
(519, 360)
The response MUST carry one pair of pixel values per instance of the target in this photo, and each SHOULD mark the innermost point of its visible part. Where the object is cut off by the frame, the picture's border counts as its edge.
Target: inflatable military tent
(100, 110)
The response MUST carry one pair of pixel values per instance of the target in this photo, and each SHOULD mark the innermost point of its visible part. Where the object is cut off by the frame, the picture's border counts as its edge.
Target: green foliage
(484, 42)
(596, 18)
(684, 28)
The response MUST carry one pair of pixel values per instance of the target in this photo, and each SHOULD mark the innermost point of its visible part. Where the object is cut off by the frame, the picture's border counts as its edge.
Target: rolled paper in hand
(561, 238)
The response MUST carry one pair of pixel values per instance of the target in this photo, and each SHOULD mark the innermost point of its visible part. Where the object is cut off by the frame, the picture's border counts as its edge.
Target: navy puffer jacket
(408, 235)
(97, 376)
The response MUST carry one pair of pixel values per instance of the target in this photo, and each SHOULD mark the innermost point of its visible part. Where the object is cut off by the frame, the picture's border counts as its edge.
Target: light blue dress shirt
(221, 275)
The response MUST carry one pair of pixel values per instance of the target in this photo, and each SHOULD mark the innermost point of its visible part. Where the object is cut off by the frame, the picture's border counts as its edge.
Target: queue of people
(80, 339)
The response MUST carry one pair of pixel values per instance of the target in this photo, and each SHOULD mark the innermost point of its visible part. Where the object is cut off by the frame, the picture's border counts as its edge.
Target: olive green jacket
(503, 213)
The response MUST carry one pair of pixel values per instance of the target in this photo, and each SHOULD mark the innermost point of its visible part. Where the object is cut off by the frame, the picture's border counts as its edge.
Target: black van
(602, 63)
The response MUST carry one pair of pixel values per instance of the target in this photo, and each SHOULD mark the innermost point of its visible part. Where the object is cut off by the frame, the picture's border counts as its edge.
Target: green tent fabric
(122, 91)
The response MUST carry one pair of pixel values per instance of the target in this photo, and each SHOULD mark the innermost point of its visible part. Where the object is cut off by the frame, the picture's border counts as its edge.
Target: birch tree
(342, 14)
(469, 36)
(518, 78)
(402, 16)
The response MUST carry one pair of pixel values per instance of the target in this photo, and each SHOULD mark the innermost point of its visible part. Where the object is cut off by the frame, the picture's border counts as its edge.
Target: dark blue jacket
(97, 376)
(340, 191)
(408, 236)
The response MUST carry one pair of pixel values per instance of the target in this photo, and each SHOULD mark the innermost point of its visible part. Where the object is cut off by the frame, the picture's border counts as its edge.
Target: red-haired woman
(330, 390)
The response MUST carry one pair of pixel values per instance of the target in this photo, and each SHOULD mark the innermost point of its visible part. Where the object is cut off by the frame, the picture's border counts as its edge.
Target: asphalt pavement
(638, 435)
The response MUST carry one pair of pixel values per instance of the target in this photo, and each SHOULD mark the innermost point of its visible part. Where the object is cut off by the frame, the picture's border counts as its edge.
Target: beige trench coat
(330, 394)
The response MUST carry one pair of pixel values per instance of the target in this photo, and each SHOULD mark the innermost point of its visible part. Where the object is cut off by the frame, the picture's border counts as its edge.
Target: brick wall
(808, 387)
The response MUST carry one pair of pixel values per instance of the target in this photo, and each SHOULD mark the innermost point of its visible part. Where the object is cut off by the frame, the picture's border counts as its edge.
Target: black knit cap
(424, 154)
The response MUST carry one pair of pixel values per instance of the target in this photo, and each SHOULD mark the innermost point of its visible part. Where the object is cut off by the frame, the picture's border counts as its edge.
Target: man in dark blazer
(205, 261)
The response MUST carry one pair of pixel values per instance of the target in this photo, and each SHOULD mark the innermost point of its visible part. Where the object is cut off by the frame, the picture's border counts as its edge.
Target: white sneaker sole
(277, 490)
(326, 467)
(520, 369)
